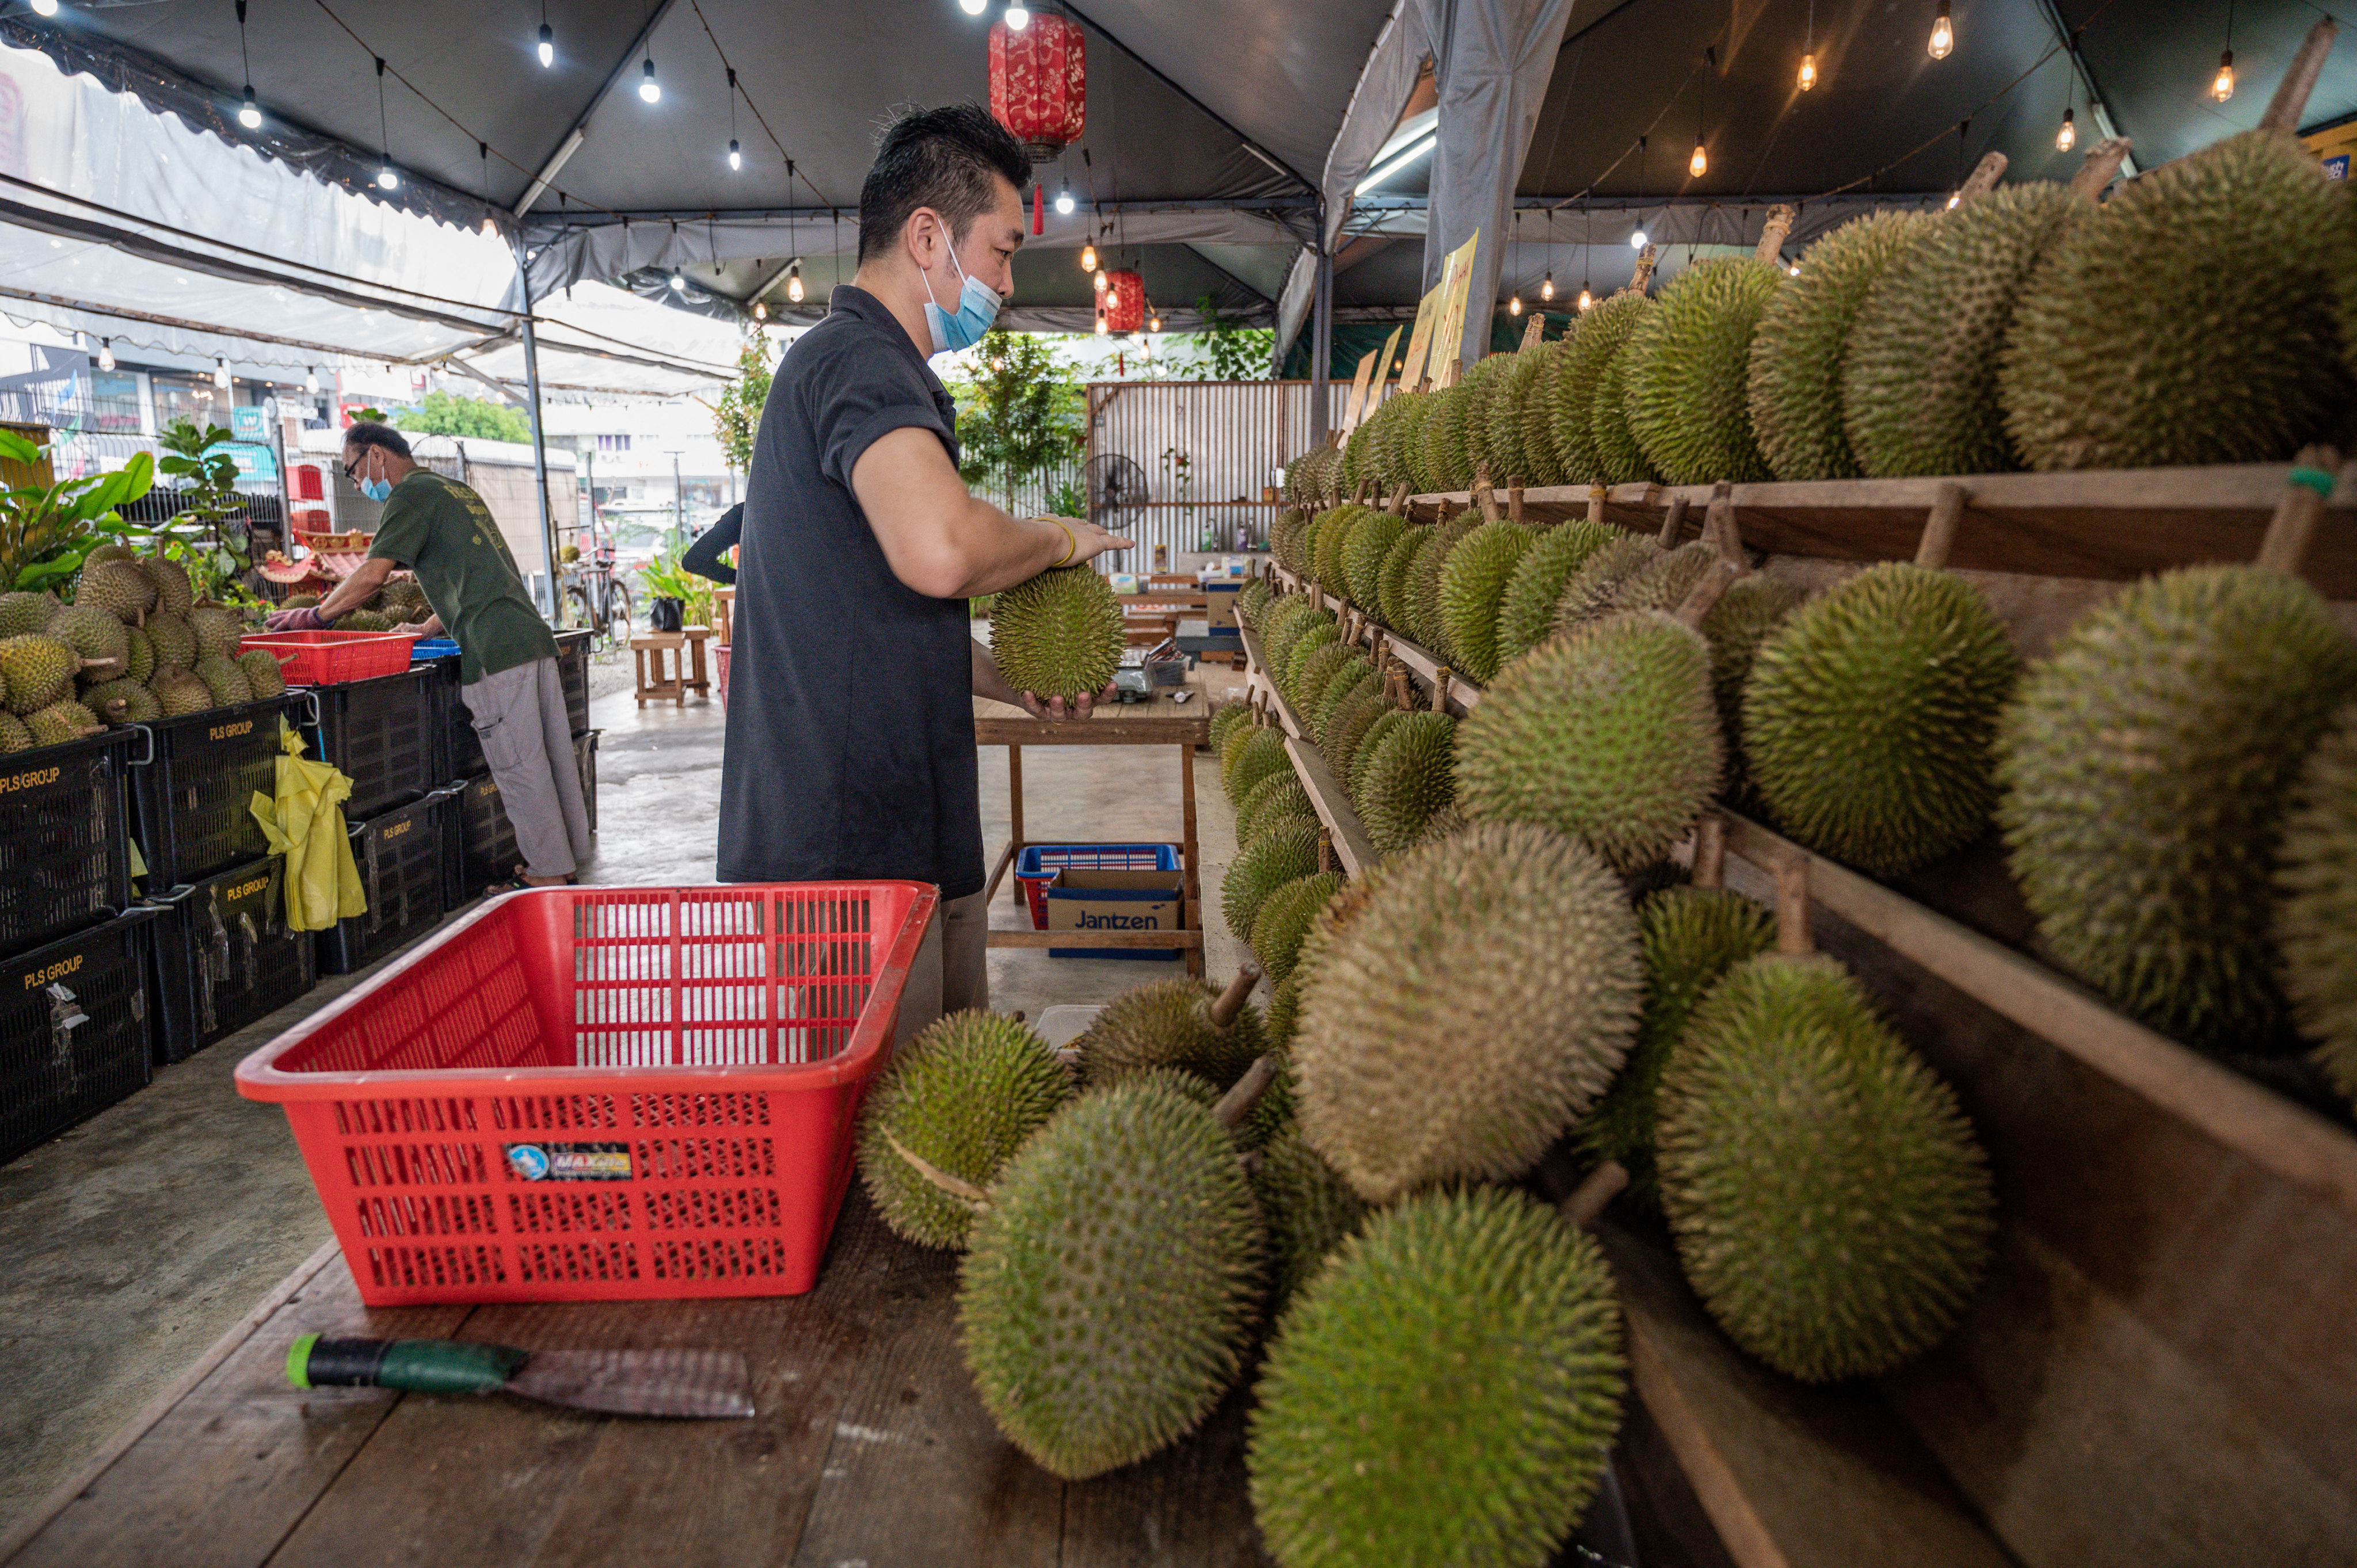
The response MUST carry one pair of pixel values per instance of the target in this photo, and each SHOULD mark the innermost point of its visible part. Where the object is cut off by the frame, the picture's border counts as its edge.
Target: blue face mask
(377, 490)
(977, 308)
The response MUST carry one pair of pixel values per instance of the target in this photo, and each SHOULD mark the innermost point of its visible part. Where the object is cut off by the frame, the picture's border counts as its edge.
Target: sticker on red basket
(570, 1162)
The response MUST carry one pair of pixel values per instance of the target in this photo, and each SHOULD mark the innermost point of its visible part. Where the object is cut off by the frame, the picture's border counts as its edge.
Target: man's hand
(412, 629)
(1055, 712)
(1089, 541)
(306, 619)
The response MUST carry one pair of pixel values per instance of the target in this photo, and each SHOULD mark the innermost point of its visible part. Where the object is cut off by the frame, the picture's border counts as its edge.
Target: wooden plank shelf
(1327, 797)
(1421, 662)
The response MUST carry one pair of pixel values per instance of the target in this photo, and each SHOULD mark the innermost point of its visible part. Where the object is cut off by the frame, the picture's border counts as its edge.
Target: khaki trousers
(527, 735)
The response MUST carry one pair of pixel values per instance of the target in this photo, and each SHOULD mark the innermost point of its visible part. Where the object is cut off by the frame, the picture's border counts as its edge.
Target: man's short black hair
(367, 432)
(941, 158)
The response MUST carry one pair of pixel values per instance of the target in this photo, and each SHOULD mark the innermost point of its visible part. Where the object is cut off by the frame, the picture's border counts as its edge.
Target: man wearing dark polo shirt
(850, 751)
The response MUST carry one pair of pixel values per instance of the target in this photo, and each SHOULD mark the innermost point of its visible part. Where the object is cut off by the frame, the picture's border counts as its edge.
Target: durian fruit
(123, 702)
(2146, 764)
(1919, 380)
(1325, 634)
(92, 633)
(1278, 795)
(61, 721)
(14, 736)
(1480, 998)
(22, 614)
(1369, 744)
(1225, 719)
(1664, 580)
(1445, 1389)
(1603, 338)
(1284, 919)
(1424, 581)
(1471, 585)
(1362, 454)
(1687, 369)
(962, 1096)
(1500, 433)
(1283, 1008)
(1403, 461)
(1316, 670)
(1325, 555)
(1174, 1023)
(1607, 733)
(1253, 755)
(217, 630)
(172, 594)
(1831, 1205)
(1441, 454)
(2316, 919)
(1357, 679)
(1690, 937)
(1751, 611)
(1526, 613)
(1286, 849)
(1347, 729)
(37, 670)
(1108, 1296)
(178, 692)
(1370, 542)
(139, 654)
(1058, 634)
(175, 644)
(115, 551)
(2189, 319)
(1307, 1207)
(1284, 536)
(1407, 778)
(1870, 718)
(121, 588)
(1587, 593)
(1802, 339)
(300, 602)
(1392, 592)
(1252, 600)
(373, 620)
(224, 680)
(1288, 626)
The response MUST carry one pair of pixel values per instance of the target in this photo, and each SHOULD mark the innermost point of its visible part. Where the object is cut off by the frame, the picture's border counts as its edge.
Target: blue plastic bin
(1038, 867)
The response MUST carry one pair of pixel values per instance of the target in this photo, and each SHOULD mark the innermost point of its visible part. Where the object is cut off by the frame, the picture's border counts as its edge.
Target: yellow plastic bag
(306, 825)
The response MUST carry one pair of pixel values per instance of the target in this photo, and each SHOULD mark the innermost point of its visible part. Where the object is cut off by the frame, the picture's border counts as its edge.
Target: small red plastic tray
(327, 658)
(602, 1093)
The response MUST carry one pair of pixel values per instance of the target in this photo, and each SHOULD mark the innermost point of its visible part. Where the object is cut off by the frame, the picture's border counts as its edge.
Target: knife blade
(691, 1383)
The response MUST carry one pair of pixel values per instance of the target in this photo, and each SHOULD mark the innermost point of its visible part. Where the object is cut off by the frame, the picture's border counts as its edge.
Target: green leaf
(16, 449)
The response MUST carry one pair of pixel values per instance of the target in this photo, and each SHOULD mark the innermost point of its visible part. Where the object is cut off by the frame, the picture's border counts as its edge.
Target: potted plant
(47, 531)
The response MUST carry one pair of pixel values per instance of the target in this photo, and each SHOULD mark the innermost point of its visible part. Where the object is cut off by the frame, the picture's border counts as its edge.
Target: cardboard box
(1222, 598)
(1080, 900)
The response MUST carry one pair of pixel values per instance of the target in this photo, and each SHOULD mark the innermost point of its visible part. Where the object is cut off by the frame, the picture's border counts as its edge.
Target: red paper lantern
(1039, 82)
(1124, 298)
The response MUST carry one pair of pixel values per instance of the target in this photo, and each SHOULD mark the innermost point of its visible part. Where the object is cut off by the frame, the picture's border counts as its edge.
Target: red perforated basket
(601, 1094)
(330, 658)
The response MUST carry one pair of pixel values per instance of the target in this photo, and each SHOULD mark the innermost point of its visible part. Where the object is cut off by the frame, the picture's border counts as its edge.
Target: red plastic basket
(327, 658)
(601, 1094)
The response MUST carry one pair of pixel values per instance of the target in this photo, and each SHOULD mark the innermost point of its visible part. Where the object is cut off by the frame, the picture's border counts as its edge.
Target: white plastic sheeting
(598, 339)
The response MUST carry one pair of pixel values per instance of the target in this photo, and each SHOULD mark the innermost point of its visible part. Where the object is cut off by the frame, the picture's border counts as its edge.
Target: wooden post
(2294, 523)
(1710, 851)
(1325, 850)
(1674, 523)
(1483, 495)
(1398, 507)
(1514, 502)
(1771, 237)
(1940, 529)
(1440, 679)
(1533, 331)
(1719, 527)
(2103, 161)
(1015, 808)
(1793, 907)
(1596, 494)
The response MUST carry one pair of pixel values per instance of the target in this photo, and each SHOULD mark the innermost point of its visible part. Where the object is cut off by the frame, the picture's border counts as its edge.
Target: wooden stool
(694, 677)
(723, 609)
(648, 648)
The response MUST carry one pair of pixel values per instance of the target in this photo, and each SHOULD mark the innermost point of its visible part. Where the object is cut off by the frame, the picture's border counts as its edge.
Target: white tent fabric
(596, 338)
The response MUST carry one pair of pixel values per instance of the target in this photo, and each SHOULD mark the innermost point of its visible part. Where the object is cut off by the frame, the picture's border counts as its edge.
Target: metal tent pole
(539, 452)
(1321, 349)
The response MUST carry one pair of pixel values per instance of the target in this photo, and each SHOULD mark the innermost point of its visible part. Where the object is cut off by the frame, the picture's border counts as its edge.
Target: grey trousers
(527, 735)
(952, 968)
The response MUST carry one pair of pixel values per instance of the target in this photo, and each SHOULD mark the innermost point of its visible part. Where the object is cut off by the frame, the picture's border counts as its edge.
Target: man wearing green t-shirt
(507, 657)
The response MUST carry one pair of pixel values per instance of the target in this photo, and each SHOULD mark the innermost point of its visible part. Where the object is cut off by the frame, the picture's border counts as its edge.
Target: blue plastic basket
(1038, 865)
(433, 648)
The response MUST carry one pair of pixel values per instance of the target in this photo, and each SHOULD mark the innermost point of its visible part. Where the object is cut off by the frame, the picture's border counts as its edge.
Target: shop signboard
(246, 424)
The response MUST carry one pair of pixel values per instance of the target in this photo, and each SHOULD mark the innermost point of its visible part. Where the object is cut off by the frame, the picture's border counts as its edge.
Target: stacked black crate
(482, 852)
(385, 735)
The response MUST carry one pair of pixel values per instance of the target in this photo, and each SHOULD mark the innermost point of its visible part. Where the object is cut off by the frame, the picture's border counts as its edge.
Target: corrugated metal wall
(1209, 452)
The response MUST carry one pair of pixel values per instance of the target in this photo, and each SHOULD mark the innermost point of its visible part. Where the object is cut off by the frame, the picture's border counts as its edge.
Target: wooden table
(870, 1446)
(1153, 723)
(671, 679)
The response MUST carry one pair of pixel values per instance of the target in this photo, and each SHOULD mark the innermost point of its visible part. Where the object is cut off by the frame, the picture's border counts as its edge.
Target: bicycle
(594, 596)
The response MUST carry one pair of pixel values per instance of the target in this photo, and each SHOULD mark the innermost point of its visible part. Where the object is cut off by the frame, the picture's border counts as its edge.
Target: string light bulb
(795, 282)
(649, 88)
(1063, 201)
(1699, 164)
(735, 154)
(1637, 240)
(1154, 324)
(1808, 72)
(2221, 86)
(1587, 297)
(1515, 306)
(249, 113)
(1089, 258)
(547, 47)
(1943, 34)
(973, 7)
(2067, 136)
(386, 179)
(1546, 289)
(221, 373)
(1954, 197)
(1017, 18)
(678, 282)
(311, 381)
(106, 353)
(1101, 324)
(45, 7)
(760, 310)
(1101, 284)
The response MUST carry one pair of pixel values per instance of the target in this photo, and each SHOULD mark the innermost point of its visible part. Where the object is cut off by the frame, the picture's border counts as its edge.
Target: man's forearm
(989, 683)
(1003, 551)
(355, 590)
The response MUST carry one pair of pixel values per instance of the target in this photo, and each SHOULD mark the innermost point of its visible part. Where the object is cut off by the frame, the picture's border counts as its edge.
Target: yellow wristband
(1071, 541)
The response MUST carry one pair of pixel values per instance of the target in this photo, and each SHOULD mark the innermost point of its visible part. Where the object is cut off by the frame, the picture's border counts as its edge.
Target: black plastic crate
(384, 734)
(573, 670)
(487, 852)
(401, 856)
(225, 957)
(192, 783)
(65, 838)
(73, 1028)
(462, 756)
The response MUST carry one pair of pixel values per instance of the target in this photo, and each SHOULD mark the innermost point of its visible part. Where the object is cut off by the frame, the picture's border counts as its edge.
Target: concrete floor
(130, 1244)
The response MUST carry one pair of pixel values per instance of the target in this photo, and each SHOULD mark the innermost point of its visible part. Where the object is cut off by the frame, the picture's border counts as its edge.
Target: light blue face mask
(377, 490)
(977, 308)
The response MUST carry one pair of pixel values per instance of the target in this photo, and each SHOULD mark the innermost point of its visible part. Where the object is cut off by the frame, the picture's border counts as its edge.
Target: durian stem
(1984, 176)
(2290, 100)
(1940, 529)
(1596, 494)
(1792, 937)
(1643, 275)
(1704, 596)
(1231, 1001)
(1514, 502)
(1246, 1093)
(1710, 851)
(1771, 237)
(1674, 523)
(963, 1192)
(1726, 535)
(1440, 679)
(1324, 851)
(1398, 507)
(2297, 511)
(1483, 495)
(1596, 1189)
(2103, 161)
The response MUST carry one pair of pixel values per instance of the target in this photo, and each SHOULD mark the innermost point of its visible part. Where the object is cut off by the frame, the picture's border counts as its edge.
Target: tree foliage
(737, 416)
(46, 530)
(1231, 351)
(443, 415)
(1020, 415)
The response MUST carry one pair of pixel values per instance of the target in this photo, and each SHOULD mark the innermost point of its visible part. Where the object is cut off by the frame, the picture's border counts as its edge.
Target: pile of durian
(400, 602)
(133, 647)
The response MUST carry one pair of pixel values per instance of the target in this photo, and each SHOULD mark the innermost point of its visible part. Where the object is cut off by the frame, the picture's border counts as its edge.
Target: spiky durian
(1252, 754)
(1355, 782)
(1445, 1389)
(2190, 319)
(1095, 1341)
(1501, 432)
(139, 654)
(1362, 557)
(1278, 795)
(217, 630)
(1919, 380)
(1058, 634)
(22, 614)
(1480, 997)
(1286, 848)
(1356, 680)
(1690, 936)
(173, 643)
(1802, 339)
(61, 721)
(1588, 591)
(1225, 720)
(1288, 626)
(37, 670)
(2316, 919)
(1408, 777)
(1403, 460)
(1602, 333)
(1442, 460)
(1334, 530)
(1471, 585)
(1620, 458)
(121, 588)
(180, 693)
(123, 702)
(1167, 1023)
(173, 593)
(1752, 610)
(224, 680)
(1284, 919)
(2146, 763)
(1870, 718)
(1394, 588)
(1687, 367)
(1252, 600)
(1831, 1205)
(1314, 670)
(1349, 726)
(373, 620)
(1526, 613)
(1323, 634)
(1309, 1207)
(1607, 733)
(1284, 535)
(962, 1096)
(14, 736)
(1424, 581)
(92, 633)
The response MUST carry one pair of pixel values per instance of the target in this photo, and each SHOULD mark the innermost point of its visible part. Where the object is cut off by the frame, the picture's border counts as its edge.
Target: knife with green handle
(698, 1383)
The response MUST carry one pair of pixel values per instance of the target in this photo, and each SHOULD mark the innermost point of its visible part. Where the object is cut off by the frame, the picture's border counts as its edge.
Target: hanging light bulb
(1954, 197)
(1101, 284)
(1699, 164)
(1089, 258)
(491, 227)
(735, 154)
(1637, 240)
(1154, 324)
(1943, 33)
(1546, 289)
(249, 113)
(678, 282)
(311, 381)
(45, 7)
(1808, 72)
(1515, 306)
(221, 373)
(1587, 297)
(649, 88)
(760, 310)
(795, 282)
(106, 353)
(386, 179)
(1017, 18)
(547, 47)
(973, 7)
(2221, 86)
(2067, 136)
(1063, 201)
(1101, 324)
